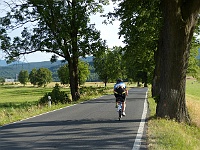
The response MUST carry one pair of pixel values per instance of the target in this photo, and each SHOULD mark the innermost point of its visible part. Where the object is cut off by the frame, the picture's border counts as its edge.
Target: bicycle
(119, 107)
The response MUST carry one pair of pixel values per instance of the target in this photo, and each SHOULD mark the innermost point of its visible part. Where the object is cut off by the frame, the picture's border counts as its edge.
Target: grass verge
(169, 135)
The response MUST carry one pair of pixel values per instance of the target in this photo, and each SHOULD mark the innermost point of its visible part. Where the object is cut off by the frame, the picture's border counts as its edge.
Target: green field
(18, 102)
(193, 89)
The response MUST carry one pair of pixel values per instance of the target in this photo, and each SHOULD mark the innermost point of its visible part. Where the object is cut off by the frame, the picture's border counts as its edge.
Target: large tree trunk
(180, 18)
(75, 53)
(76, 79)
(73, 81)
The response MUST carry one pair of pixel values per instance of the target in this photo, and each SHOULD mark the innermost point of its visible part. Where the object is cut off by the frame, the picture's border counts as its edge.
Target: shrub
(89, 91)
(57, 96)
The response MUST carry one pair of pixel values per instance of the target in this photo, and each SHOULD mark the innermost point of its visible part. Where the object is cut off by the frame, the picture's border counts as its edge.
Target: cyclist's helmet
(119, 80)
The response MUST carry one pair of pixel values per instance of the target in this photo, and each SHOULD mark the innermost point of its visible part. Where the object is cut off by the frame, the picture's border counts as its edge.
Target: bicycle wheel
(120, 114)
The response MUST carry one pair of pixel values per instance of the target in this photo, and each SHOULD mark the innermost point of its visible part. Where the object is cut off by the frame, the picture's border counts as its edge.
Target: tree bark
(75, 53)
(73, 82)
(179, 20)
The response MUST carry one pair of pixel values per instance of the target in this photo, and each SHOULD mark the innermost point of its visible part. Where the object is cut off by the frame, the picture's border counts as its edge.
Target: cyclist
(121, 91)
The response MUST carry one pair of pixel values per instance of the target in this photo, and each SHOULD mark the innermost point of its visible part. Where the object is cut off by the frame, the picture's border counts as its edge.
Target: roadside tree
(40, 77)
(83, 70)
(33, 76)
(44, 76)
(179, 20)
(109, 65)
(62, 28)
(63, 74)
(23, 77)
(140, 23)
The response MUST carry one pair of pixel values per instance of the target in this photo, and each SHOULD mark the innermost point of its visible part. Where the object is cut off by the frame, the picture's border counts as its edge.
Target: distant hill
(3, 63)
(10, 71)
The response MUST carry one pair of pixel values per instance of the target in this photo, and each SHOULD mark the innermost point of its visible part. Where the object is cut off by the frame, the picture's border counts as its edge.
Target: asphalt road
(87, 126)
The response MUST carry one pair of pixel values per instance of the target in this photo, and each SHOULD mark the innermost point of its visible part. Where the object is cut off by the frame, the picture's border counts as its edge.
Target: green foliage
(33, 76)
(40, 77)
(83, 73)
(57, 96)
(10, 71)
(44, 76)
(2, 80)
(63, 74)
(140, 24)
(83, 70)
(110, 65)
(53, 22)
(23, 77)
(193, 67)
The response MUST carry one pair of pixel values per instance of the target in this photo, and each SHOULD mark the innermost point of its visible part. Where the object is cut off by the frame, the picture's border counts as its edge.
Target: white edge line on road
(138, 138)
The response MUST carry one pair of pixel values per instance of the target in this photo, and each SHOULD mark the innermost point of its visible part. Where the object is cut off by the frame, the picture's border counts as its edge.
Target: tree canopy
(23, 77)
(140, 24)
(40, 77)
(110, 65)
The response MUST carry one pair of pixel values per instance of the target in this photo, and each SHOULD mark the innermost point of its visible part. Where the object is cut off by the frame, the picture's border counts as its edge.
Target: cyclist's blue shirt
(122, 84)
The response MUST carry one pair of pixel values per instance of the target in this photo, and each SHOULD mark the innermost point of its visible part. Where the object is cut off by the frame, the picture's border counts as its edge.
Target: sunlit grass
(21, 94)
(170, 135)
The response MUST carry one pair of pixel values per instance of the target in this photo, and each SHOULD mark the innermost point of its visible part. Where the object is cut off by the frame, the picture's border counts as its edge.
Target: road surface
(87, 126)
